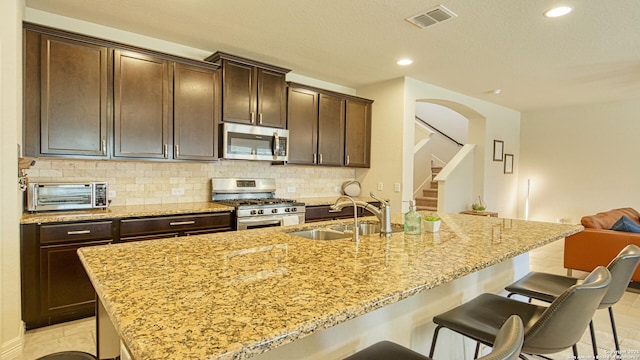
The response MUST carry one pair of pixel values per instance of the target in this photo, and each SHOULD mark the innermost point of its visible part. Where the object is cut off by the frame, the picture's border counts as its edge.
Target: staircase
(429, 199)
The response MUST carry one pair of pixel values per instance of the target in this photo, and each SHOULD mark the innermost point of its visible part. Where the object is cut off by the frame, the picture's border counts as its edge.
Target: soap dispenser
(412, 220)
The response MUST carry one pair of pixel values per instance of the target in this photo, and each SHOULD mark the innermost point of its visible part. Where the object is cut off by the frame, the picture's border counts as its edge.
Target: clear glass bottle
(412, 220)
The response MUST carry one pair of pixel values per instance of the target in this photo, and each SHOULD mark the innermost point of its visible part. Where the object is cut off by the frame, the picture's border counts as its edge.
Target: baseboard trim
(13, 347)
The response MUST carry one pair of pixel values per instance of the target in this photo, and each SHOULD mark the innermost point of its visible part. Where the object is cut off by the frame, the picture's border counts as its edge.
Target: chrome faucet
(340, 205)
(383, 213)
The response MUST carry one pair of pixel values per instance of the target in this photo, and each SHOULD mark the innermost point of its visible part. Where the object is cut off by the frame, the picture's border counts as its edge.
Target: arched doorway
(455, 125)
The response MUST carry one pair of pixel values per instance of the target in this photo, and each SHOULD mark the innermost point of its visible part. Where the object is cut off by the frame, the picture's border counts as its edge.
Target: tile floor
(80, 334)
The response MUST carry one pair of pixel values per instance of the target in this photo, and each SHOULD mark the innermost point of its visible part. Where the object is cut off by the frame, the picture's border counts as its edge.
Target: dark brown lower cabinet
(64, 285)
(159, 227)
(315, 213)
(55, 286)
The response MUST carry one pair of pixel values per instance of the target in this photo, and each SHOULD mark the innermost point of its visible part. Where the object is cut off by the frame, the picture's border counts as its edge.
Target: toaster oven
(67, 196)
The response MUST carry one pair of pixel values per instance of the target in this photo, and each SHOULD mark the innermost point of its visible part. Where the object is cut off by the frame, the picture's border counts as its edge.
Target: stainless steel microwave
(247, 142)
(67, 196)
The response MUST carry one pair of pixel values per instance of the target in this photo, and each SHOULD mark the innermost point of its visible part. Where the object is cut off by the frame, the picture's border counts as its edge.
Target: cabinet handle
(104, 147)
(253, 117)
(260, 118)
(347, 159)
(78, 232)
(315, 158)
(320, 162)
(182, 223)
(165, 150)
(177, 151)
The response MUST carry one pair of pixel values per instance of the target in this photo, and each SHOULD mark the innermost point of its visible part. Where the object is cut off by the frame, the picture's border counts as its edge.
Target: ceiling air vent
(431, 17)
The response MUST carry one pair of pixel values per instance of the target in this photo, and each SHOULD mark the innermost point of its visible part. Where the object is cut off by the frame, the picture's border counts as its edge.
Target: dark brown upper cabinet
(253, 93)
(302, 115)
(358, 133)
(196, 105)
(328, 128)
(86, 97)
(65, 97)
(142, 108)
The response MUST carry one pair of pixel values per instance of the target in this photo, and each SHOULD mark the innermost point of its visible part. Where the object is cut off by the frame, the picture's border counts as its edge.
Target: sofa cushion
(626, 224)
(605, 220)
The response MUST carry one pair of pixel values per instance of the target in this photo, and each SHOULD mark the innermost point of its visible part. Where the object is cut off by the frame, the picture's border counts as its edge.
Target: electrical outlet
(112, 194)
(396, 187)
(291, 189)
(380, 186)
(177, 191)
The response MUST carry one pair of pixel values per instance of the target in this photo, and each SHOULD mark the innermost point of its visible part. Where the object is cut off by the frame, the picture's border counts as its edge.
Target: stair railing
(438, 131)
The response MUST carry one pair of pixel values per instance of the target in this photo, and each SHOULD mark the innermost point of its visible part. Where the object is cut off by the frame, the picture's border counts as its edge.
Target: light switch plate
(396, 187)
(380, 186)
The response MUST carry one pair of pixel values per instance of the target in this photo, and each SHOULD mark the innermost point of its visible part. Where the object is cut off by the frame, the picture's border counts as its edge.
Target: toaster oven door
(45, 197)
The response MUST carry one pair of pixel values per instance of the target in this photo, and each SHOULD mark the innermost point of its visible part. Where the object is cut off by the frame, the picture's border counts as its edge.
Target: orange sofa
(596, 244)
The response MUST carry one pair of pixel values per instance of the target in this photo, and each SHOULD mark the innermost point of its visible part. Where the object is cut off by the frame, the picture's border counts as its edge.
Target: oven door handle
(268, 221)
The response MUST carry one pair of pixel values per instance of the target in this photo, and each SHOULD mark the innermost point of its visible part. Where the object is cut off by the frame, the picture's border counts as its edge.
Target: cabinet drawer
(131, 227)
(75, 232)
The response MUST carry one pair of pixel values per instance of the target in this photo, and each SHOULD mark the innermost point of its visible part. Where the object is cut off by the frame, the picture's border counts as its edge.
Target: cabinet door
(302, 122)
(272, 98)
(358, 134)
(142, 109)
(196, 105)
(331, 130)
(73, 97)
(238, 92)
(64, 285)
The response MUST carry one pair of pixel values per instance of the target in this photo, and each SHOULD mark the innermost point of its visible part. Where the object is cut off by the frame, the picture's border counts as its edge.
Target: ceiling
(591, 55)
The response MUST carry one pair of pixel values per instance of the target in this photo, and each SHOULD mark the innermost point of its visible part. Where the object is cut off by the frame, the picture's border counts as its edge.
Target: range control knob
(274, 211)
(253, 212)
(287, 210)
(260, 212)
(294, 209)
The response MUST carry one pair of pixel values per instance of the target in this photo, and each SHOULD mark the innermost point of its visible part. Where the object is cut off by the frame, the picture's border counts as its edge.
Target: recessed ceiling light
(496, 91)
(558, 11)
(405, 62)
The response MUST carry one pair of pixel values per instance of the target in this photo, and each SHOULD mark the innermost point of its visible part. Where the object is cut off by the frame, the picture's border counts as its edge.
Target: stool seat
(387, 350)
(507, 346)
(69, 355)
(542, 286)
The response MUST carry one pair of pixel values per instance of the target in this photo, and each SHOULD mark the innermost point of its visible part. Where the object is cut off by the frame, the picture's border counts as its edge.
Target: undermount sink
(344, 231)
(321, 234)
(366, 228)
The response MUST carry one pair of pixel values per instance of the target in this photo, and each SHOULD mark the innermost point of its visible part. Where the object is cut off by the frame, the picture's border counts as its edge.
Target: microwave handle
(276, 144)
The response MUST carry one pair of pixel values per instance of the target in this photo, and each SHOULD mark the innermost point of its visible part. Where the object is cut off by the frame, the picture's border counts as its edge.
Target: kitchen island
(266, 293)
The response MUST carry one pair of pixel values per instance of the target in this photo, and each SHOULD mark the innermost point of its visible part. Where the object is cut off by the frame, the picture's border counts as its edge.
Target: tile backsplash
(144, 182)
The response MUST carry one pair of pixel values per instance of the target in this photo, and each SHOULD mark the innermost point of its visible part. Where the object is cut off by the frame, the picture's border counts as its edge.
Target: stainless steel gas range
(255, 202)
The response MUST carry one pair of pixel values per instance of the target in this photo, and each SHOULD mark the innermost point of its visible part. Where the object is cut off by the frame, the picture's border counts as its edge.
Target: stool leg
(575, 351)
(593, 340)
(475, 355)
(615, 332)
(433, 341)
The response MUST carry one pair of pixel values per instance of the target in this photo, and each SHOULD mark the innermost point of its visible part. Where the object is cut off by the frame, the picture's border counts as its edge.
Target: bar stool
(507, 346)
(547, 287)
(547, 330)
(68, 355)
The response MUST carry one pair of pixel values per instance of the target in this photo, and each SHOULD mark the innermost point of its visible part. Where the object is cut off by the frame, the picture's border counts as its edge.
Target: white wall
(10, 117)
(581, 160)
(386, 142)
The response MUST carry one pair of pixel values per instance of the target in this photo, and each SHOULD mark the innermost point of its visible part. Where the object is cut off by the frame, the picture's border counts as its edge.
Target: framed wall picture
(498, 150)
(508, 163)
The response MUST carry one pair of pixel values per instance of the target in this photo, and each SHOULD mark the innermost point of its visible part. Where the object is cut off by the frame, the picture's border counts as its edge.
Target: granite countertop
(119, 212)
(237, 294)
